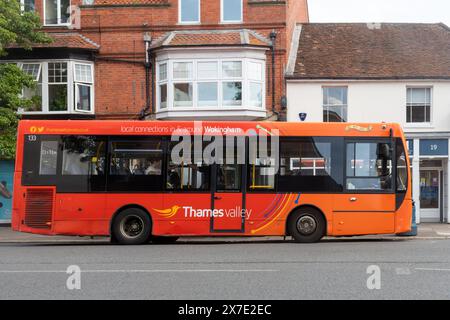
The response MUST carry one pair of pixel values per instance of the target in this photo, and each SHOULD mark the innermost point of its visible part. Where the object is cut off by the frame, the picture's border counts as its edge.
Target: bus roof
(121, 127)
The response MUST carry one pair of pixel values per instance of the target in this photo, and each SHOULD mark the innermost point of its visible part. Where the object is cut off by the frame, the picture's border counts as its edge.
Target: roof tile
(67, 40)
(239, 37)
(387, 50)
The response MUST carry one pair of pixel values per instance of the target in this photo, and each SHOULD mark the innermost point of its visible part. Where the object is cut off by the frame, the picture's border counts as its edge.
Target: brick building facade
(163, 59)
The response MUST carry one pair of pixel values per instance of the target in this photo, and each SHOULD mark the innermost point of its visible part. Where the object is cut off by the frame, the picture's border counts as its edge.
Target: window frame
(245, 81)
(58, 14)
(325, 106)
(391, 190)
(77, 83)
(223, 21)
(180, 21)
(66, 83)
(161, 83)
(181, 188)
(411, 104)
(22, 6)
(70, 85)
(63, 182)
(141, 183)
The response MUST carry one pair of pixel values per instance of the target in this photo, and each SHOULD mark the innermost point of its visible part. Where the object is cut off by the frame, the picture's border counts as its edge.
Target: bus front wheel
(306, 225)
(131, 226)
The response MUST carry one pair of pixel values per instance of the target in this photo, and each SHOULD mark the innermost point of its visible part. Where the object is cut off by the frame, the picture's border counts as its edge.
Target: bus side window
(48, 157)
(310, 164)
(369, 166)
(40, 160)
(262, 164)
(192, 174)
(136, 158)
(402, 169)
(83, 155)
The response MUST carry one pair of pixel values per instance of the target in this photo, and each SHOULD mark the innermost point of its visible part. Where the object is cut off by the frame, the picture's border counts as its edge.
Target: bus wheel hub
(306, 225)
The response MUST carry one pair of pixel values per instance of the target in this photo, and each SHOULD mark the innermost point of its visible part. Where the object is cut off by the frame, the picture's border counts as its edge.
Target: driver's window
(369, 166)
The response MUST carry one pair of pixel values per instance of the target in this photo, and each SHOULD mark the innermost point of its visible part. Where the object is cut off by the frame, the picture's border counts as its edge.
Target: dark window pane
(136, 165)
(136, 158)
(189, 172)
(337, 114)
(408, 114)
(65, 13)
(83, 97)
(310, 164)
(418, 113)
(229, 177)
(163, 96)
(57, 96)
(48, 157)
(28, 5)
(83, 155)
(402, 169)
(263, 158)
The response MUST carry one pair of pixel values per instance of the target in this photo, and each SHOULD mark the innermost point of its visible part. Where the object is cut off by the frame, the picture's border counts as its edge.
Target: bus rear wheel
(131, 226)
(306, 225)
(163, 239)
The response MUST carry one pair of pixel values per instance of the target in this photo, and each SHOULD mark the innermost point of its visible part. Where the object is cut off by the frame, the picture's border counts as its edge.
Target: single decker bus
(155, 181)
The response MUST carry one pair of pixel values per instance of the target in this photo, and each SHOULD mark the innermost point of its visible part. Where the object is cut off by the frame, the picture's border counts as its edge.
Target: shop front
(430, 163)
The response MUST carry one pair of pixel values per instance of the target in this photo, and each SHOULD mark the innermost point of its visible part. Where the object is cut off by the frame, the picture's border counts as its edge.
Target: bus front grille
(38, 208)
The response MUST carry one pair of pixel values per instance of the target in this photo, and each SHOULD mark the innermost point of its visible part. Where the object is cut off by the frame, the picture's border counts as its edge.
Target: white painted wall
(376, 101)
(371, 101)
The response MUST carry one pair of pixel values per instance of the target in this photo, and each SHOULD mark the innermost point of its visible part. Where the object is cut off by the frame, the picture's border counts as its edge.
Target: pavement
(426, 231)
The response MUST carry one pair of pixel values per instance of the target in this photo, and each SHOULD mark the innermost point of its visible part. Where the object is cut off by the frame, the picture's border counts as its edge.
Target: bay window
(210, 84)
(61, 87)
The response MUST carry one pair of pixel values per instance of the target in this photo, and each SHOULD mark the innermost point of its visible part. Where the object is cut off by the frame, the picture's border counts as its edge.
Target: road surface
(331, 269)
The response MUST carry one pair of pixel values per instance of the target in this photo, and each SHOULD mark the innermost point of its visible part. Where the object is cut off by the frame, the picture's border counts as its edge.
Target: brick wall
(118, 28)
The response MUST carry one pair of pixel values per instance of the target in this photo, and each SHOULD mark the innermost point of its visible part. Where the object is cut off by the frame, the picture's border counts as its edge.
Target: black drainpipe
(148, 73)
(273, 37)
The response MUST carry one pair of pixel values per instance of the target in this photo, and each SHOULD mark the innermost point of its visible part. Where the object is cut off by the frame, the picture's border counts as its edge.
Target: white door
(430, 199)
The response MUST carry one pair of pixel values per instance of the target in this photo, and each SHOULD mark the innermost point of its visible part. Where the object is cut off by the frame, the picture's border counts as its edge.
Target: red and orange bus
(119, 179)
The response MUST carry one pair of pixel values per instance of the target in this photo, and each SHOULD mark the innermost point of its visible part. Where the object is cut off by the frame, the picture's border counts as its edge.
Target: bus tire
(131, 226)
(163, 239)
(306, 225)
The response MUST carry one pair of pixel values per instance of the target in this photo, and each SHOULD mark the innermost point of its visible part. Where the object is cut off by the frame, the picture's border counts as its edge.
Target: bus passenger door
(228, 204)
(367, 205)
